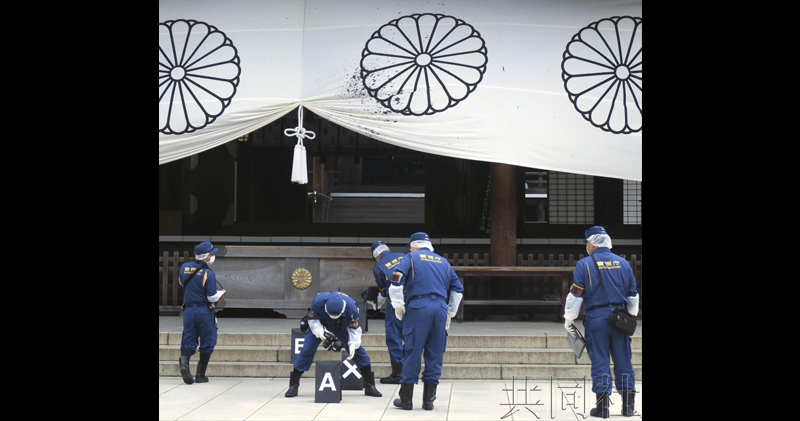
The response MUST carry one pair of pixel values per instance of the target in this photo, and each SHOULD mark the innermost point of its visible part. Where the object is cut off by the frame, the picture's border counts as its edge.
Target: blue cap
(592, 231)
(376, 245)
(205, 247)
(335, 306)
(378, 248)
(418, 236)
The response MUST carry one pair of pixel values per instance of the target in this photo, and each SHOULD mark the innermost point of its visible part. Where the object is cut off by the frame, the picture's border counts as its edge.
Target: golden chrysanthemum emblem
(301, 278)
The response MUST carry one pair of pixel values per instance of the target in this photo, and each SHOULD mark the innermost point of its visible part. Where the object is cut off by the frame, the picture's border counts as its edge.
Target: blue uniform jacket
(384, 268)
(617, 276)
(440, 277)
(201, 286)
(349, 319)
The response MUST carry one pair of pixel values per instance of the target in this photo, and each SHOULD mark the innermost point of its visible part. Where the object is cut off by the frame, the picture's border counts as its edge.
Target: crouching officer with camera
(333, 321)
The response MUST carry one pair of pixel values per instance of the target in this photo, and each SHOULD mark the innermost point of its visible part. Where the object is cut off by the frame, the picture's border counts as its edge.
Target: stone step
(558, 341)
(468, 357)
(223, 353)
(449, 371)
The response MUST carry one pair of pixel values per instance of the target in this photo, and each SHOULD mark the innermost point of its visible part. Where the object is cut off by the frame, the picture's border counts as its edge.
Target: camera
(332, 343)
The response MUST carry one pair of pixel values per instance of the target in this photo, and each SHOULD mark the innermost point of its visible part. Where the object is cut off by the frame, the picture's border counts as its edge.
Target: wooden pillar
(503, 237)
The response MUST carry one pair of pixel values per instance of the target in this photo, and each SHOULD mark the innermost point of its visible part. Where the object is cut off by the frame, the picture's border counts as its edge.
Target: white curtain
(547, 84)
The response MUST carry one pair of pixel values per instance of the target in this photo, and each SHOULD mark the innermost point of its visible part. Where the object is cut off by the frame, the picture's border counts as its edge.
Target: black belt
(432, 296)
(604, 305)
(196, 305)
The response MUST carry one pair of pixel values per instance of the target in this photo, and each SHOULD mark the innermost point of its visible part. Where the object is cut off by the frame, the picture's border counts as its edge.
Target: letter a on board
(327, 381)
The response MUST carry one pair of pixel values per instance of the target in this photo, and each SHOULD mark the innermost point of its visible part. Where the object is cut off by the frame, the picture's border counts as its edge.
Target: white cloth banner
(547, 84)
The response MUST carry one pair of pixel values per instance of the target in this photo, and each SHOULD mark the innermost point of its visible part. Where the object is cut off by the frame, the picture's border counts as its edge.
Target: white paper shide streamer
(299, 169)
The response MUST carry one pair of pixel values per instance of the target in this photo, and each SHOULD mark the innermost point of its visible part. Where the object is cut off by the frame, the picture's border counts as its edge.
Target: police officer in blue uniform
(199, 320)
(386, 262)
(601, 338)
(333, 313)
(420, 285)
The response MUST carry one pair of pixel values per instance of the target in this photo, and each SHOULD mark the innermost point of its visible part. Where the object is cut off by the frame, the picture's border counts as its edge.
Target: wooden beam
(503, 237)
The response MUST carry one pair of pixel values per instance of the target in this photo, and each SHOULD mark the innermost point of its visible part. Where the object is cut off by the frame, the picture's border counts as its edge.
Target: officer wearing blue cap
(618, 290)
(333, 313)
(386, 262)
(199, 320)
(426, 279)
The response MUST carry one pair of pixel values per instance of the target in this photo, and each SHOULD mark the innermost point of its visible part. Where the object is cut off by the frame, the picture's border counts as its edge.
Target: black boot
(201, 368)
(369, 382)
(406, 392)
(602, 406)
(394, 378)
(428, 395)
(294, 383)
(185, 372)
(627, 403)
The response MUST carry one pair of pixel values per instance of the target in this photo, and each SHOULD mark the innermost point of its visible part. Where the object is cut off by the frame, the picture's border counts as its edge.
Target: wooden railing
(569, 261)
(546, 289)
(170, 294)
(464, 259)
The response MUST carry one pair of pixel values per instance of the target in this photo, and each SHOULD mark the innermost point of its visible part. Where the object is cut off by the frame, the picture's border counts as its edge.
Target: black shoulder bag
(620, 319)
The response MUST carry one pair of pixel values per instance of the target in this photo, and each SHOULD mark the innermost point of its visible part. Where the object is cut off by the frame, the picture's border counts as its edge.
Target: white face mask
(211, 260)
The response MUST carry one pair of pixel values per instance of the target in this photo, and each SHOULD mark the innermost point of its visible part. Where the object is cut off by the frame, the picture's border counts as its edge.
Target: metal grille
(632, 202)
(571, 198)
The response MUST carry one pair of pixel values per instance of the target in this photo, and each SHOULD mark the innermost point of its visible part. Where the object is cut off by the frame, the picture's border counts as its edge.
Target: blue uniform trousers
(394, 334)
(198, 322)
(311, 343)
(602, 340)
(424, 335)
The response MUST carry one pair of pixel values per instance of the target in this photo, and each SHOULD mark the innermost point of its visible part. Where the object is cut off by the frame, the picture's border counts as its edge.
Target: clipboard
(578, 343)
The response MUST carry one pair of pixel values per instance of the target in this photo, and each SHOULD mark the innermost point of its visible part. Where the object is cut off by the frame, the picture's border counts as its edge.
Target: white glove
(317, 329)
(447, 326)
(352, 351)
(399, 311)
(633, 305)
(569, 326)
(381, 300)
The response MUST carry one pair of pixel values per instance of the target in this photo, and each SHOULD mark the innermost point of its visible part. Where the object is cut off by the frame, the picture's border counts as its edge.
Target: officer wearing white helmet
(618, 289)
(333, 317)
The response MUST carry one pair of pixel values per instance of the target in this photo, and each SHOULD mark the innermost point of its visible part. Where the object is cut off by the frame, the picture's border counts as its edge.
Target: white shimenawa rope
(299, 168)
